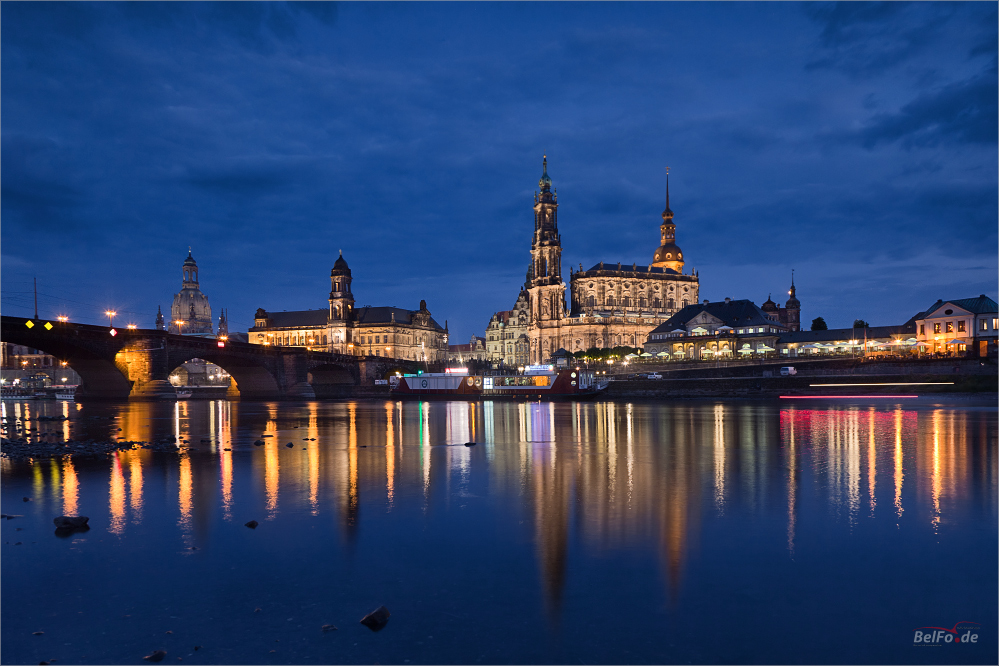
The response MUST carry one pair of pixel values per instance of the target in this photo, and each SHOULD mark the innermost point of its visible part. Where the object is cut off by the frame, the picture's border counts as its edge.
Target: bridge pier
(146, 364)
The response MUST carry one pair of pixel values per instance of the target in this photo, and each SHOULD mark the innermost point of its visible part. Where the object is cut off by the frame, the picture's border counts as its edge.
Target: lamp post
(180, 326)
(110, 314)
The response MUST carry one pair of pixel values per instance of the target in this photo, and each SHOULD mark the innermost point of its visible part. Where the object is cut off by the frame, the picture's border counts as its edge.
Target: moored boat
(539, 382)
(183, 394)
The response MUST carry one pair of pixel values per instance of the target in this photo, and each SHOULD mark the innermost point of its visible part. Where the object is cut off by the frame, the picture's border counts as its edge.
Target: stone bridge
(135, 363)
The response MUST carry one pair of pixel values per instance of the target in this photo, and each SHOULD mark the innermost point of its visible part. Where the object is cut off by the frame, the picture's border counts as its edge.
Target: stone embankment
(814, 378)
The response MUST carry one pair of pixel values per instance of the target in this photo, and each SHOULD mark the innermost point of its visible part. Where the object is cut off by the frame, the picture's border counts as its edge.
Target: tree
(819, 324)
(860, 323)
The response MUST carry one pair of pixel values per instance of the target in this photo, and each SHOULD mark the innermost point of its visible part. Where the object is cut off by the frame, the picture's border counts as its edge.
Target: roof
(980, 305)
(366, 316)
(299, 318)
(602, 266)
(734, 313)
(833, 334)
(383, 315)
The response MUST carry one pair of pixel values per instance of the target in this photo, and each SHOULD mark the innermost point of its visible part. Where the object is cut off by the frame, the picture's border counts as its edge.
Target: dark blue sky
(855, 143)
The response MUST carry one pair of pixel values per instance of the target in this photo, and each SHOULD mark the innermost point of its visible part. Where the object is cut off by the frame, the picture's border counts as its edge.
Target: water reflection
(626, 476)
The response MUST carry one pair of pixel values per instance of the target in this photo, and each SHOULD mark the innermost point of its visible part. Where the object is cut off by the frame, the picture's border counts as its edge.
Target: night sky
(855, 143)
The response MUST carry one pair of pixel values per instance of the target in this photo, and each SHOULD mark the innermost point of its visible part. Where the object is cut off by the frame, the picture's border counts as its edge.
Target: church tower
(793, 309)
(341, 305)
(546, 291)
(668, 255)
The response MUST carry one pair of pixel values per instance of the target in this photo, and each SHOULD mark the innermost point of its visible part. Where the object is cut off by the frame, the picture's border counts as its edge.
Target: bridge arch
(251, 377)
(100, 369)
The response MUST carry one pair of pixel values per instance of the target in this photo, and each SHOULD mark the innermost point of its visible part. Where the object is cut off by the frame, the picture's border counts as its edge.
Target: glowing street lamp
(62, 318)
(180, 325)
(131, 326)
(110, 314)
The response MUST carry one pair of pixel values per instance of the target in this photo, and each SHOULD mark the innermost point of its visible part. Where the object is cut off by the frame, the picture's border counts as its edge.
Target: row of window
(948, 326)
(626, 302)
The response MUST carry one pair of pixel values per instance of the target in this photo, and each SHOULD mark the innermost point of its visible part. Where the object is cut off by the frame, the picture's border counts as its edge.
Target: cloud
(961, 112)
(864, 39)
(36, 188)
(246, 177)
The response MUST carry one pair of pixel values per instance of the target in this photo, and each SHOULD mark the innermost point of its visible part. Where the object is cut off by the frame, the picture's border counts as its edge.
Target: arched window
(610, 301)
(669, 304)
(655, 303)
(685, 302)
(627, 302)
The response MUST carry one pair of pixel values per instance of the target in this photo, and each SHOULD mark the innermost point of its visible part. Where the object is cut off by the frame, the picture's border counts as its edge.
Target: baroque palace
(367, 331)
(610, 304)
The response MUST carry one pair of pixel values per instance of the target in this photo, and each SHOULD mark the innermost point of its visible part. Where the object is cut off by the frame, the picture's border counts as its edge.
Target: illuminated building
(190, 306)
(343, 328)
(610, 305)
(475, 350)
(963, 326)
(725, 329)
(506, 335)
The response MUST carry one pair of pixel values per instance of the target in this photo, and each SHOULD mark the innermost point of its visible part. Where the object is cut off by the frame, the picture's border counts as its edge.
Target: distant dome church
(190, 305)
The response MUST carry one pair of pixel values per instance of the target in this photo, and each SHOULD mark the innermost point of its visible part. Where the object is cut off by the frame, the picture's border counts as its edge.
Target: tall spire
(545, 183)
(667, 212)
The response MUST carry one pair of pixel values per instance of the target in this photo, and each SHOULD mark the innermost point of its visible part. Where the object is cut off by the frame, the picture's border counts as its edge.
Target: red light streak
(826, 397)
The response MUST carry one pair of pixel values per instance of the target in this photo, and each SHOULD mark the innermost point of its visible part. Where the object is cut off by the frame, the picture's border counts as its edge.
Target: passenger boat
(65, 394)
(183, 394)
(539, 382)
(10, 393)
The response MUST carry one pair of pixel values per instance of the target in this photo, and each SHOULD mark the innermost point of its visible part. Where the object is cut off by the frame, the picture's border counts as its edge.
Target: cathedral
(343, 328)
(611, 304)
(190, 312)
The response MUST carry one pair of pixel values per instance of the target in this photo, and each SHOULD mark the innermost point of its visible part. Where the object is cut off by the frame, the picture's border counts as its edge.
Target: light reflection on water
(591, 448)
(591, 479)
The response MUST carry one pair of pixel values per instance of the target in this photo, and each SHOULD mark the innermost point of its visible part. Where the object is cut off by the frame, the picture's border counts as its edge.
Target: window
(984, 325)
(960, 326)
(378, 340)
(995, 324)
(936, 328)
(950, 327)
(922, 329)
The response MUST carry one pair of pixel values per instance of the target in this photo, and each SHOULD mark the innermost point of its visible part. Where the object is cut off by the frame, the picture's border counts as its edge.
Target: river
(596, 532)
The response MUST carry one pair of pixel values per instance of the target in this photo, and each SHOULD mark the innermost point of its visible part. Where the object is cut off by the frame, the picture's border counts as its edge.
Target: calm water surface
(572, 533)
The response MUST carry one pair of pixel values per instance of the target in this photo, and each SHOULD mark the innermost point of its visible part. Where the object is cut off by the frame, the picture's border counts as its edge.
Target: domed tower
(771, 308)
(793, 308)
(190, 307)
(341, 305)
(668, 254)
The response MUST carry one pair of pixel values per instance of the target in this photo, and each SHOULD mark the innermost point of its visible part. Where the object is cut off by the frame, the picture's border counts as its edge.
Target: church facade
(610, 304)
(343, 328)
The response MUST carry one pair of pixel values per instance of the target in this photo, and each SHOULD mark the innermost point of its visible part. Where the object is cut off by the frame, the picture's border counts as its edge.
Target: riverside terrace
(135, 363)
(740, 330)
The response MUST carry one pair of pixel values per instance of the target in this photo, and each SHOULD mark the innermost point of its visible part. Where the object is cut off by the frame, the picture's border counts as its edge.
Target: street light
(110, 314)
(180, 326)
(131, 326)
(62, 318)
